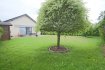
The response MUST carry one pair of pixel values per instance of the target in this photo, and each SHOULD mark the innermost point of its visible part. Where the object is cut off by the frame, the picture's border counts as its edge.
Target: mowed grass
(31, 53)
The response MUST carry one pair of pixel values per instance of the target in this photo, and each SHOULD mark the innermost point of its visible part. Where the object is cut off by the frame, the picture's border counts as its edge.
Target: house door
(28, 30)
(22, 31)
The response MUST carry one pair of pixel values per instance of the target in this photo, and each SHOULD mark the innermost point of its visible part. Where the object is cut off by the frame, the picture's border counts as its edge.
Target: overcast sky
(13, 8)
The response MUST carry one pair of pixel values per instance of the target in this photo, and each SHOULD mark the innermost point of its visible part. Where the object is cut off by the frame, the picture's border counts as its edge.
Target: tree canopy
(62, 16)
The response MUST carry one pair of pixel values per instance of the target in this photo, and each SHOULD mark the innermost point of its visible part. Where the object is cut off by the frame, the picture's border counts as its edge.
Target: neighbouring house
(22, 25)
(6, 30)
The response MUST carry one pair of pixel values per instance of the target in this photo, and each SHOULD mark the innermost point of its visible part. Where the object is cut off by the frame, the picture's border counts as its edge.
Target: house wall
(21, 22)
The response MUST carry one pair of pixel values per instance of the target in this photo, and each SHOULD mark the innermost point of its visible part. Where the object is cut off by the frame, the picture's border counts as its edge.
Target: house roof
(5, 24)
(19, 17)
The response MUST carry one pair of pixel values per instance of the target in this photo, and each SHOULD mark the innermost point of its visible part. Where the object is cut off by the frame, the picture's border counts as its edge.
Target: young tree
(62, 16)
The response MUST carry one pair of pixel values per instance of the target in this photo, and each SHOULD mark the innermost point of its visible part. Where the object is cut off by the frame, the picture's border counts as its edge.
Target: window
(25, 30)
(28, 30)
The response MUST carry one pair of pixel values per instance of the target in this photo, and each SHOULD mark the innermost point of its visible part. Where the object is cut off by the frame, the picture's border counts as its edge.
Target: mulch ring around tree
(58, 49)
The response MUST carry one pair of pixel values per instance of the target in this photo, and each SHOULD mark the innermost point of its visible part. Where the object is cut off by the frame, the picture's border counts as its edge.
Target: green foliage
(95, 31)
(102, 16)
(92, 30)
(1, 31)
(62, 16)
(37, 28)
(101, 25)
(87, 31)
(48, 33)
(102, 29)
(102, 33)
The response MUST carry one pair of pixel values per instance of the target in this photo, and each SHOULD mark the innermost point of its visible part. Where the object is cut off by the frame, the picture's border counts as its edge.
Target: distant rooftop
(19, 17)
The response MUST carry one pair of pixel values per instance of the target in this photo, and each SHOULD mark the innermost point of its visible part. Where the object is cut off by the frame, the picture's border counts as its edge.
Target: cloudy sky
(13, 8)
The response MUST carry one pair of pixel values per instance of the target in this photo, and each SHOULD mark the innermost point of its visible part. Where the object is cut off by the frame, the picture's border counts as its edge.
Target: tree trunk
(58, 39)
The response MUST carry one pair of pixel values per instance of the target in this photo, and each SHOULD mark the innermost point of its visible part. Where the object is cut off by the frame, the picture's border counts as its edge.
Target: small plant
(1, 31)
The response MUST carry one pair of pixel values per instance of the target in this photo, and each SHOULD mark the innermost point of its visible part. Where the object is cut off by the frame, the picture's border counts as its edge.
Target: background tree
(92, 30)
(101, 25)
(62, 16)
(88, 30)
(95, 31)
(102, 16)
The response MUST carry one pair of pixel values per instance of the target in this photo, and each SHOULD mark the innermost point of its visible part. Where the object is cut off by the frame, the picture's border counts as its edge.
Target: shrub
(1, 31)
(102, 29)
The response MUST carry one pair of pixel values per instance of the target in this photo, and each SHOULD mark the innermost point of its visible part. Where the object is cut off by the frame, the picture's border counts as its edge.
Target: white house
(22, 25)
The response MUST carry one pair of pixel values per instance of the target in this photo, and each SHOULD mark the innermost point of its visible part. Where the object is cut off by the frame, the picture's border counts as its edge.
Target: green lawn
(31, 53)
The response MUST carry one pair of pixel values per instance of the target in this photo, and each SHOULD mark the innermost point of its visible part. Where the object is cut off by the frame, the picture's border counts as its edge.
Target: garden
(70, 41)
